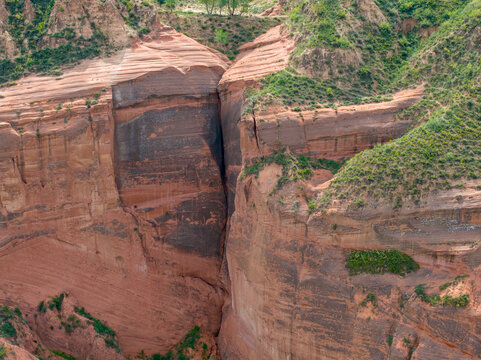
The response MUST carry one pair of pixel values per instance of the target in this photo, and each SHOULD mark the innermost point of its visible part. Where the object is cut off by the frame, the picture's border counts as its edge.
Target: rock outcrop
(291, 296)
(136, 236)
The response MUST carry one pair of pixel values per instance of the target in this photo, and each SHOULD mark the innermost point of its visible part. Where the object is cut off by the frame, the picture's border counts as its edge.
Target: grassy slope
(224, 33)
(220, 32)
(351, 56)
(445, 150)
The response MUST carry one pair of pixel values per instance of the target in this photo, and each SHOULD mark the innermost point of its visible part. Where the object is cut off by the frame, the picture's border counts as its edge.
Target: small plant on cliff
(380, 262)
(62, 355)
(3, 352)
(41, 306)
(294, 167)
(110, 337)
(456, 281)
(57, 302)
(179, 352)
(436, 299)
(370, 298)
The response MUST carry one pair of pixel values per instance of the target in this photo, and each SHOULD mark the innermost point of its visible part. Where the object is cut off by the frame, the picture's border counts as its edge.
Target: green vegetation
(454, 282)
(360, 57)
(436, 299)
(380, 262)
(48, 59)
(41, 306)
(370, 298)
(3, 352)
(294, 167)
(62, 355)
(318, 22)
(190, 341)
(223, 33)
(7, 316)
(102, 329)
(56, 302)
(291, 88)
(71, 324)
(444, 150)
(30, 38)
(426, 13)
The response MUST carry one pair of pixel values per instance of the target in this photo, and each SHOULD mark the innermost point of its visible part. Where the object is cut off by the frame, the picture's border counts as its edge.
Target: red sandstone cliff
(291, 296)
(111, 190)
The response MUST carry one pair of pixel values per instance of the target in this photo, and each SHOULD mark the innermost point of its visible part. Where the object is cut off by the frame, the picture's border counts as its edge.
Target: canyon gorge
(147, 205)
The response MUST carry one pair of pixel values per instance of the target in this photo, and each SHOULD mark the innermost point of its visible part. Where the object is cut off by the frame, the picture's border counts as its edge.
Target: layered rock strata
(120, 177)
(111, 190)
(291, 296)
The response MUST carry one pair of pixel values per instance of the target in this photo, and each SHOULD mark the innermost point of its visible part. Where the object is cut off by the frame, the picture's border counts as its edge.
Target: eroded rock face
(293, 298)
(111, 190)
(268, 53)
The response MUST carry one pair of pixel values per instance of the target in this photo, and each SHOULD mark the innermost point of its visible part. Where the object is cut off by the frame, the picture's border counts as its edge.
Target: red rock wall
(119, 203)
(293, 298)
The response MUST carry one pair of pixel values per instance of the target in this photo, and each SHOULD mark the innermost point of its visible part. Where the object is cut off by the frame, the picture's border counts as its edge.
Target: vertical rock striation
(111, 190)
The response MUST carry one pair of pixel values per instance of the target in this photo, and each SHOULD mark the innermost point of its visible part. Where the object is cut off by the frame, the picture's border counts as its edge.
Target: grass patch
(426, 13)
(223, 33)
(380, 262)
(290, 89)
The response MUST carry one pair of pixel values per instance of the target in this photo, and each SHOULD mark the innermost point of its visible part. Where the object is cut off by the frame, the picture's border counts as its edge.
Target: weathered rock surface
(293, 298)
(136, 236)
(268, 53)
(87, 16)
(113, 189)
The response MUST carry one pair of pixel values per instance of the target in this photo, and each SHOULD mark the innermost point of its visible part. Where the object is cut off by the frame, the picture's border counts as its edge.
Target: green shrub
(294, 167)
(57, 302)
(100, 328)
(380, 262)
(179, 352)
(369, 298)
(436, 299)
